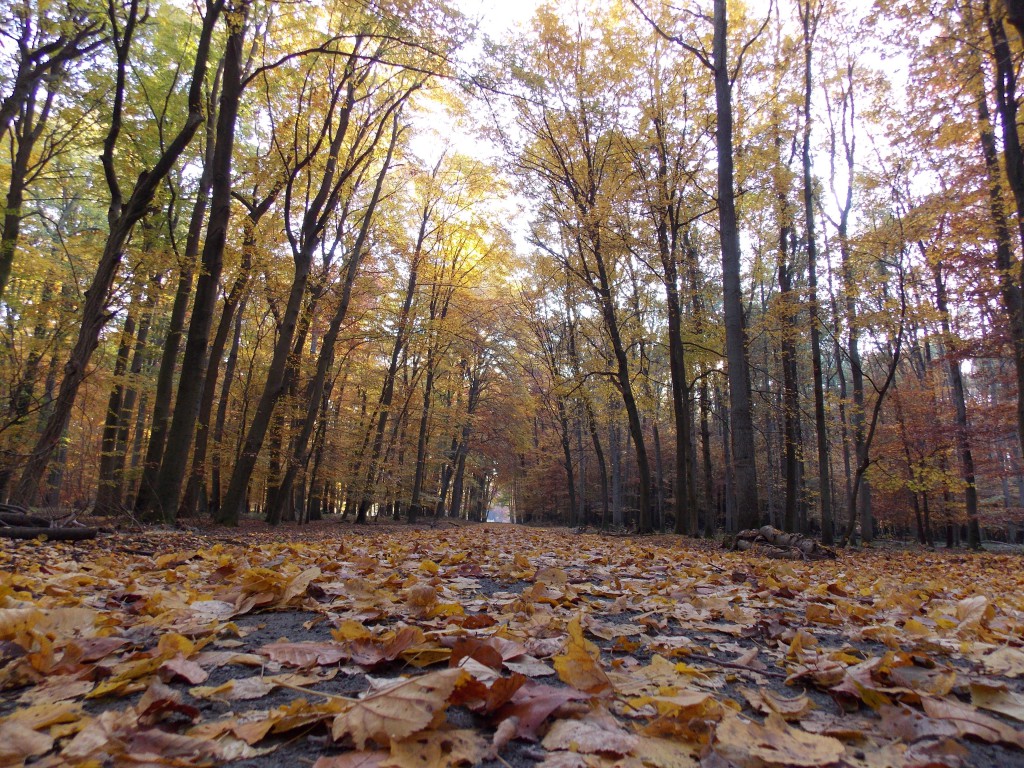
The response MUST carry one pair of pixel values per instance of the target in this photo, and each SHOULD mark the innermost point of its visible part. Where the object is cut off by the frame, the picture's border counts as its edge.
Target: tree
(122, 216)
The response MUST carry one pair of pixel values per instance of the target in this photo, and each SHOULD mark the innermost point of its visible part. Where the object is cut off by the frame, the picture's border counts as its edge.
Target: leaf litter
(502, 645)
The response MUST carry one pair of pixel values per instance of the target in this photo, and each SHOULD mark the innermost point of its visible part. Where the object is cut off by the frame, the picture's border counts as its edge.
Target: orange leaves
(662, 654)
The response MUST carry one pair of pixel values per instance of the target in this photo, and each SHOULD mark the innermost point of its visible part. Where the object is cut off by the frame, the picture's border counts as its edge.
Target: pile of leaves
(501, 645)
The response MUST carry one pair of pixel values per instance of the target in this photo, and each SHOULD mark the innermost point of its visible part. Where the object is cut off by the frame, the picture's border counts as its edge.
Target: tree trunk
(740, 411)
(963, 437)
(193, 366)
(107, 499)
(1009, 287)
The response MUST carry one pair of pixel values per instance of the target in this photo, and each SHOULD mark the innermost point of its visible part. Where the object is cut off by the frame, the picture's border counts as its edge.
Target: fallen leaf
(437, 749)
(580, 665)
(765, 702)
(775, 742)
(180, 668)
(998, 699)
(161, 701)
(395, 712)
(360, 759)
(1005, 661)
(664, 753)
(18, 742)
(590, 736)
(306, 654)
(533, 703)
(971, 722)
(503, 734)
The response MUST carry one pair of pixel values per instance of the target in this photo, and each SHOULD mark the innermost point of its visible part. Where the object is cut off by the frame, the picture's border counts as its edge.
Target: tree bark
(963, 437)
(740, 411)
(193, 366)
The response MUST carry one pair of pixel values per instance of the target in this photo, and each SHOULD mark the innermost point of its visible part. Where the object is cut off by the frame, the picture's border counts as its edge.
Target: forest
(623, 265)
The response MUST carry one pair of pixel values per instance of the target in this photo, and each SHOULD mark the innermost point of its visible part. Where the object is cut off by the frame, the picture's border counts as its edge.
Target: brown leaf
(909, 725)
(437, 749)
(475, 648)
(18, 742)
(765, 702)
(503, 734)
(971, 722)
(398, 711)
(533, 703)
(180, 668)
(590, 736)
(998, 699)
(1005, 661)
(372, 652)
(775, 742)
(353, 760)
(304, 655)
(159, 702)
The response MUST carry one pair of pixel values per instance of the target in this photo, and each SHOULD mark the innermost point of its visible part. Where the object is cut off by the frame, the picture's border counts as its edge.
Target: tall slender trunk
(196, 499)
(809, 19)
(107, 499)
(193, 365)
(128, 405)
(740, 409)
(564, 436)
(963, 437)
(1013, 157)
(221, 418)
(163, 399)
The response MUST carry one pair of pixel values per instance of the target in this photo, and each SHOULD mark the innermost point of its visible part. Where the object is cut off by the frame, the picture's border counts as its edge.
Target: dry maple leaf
(579, 666)
(533, 703)
(971, 722)
(398, 711)
(305, 654)
(746, 743)
(359, 759)
(437, 749)
(18, 743)
(592, 735)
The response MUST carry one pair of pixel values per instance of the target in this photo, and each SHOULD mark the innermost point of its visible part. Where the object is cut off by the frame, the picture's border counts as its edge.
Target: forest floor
(498, 645)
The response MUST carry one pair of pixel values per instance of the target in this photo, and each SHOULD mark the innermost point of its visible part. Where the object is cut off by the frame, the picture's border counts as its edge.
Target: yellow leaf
(579, 666)
(350, 630)
(126, 674)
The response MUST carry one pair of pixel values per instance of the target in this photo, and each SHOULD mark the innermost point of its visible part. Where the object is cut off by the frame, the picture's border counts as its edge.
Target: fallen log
(53, 534)
(23, 519)
(771, 542)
